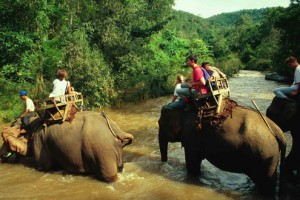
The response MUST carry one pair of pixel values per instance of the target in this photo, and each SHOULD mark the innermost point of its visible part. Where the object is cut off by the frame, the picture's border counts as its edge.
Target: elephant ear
(171, 123)
(126, 138)
(281, 112)
(34, 123)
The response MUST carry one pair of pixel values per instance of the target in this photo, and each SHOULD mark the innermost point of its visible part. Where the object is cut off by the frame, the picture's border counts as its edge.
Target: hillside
(229, 19)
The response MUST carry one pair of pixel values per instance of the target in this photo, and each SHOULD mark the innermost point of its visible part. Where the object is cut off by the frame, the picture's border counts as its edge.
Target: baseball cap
(23, 93)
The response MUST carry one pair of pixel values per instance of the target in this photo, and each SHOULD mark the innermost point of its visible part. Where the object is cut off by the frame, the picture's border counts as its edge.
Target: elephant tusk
(7, 155)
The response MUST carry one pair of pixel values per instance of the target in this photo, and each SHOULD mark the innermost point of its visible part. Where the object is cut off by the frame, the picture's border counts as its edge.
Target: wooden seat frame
(218, 88)
(62, 104)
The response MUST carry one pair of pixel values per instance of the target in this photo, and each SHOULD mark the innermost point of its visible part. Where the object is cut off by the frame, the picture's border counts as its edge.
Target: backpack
(206, 77)
(206, 74)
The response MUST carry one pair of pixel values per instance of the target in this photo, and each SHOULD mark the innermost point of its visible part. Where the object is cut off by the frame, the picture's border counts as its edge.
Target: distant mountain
(229, 19)
(191, 26)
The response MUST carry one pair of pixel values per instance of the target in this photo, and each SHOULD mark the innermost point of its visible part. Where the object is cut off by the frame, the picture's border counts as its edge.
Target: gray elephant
(240, 143)
(92, 143)
(286, 114)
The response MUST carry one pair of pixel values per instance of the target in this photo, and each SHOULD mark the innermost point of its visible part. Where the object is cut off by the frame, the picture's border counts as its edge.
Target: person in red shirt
(198, 84)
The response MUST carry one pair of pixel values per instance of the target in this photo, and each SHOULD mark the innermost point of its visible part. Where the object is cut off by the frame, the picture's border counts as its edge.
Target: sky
(208, 8)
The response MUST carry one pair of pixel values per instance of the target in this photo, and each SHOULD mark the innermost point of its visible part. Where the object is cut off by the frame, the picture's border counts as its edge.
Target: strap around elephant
(107, 120)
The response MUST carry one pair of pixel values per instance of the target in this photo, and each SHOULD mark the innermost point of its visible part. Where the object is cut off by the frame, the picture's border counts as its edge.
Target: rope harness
(109, 126)
(210, 117)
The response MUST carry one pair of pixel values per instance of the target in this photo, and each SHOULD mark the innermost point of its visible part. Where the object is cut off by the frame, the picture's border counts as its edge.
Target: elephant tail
(282, 146)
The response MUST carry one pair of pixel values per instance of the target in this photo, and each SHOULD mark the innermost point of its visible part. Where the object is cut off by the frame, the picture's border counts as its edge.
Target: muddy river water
(144, 176)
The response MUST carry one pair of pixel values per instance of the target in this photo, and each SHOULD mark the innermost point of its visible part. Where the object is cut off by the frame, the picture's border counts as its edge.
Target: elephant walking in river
(286, 114)
(241, 143)
(90, 144)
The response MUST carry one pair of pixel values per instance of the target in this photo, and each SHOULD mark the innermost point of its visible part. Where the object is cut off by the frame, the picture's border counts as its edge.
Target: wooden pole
(263, 117)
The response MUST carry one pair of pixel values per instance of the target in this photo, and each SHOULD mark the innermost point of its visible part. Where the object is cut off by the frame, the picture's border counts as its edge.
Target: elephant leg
(264, 179)
(193, 161)
(292, 160)
(43, 161)
(163, 146)
(42, 157)
(107, 170)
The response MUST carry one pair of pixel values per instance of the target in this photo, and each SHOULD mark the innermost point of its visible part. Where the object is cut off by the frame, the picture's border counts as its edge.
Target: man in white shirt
(294, 89)
(28, 111)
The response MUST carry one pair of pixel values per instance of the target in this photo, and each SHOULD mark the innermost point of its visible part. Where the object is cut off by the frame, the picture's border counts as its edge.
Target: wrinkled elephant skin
(90, 144)
(242, 143)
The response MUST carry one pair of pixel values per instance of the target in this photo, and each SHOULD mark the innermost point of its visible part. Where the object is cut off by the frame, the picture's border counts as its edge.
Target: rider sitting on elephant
(60, 85)
(198, 86)
(179, 80)
(214, 72)
(176, 100)
(295, 87)
(28, 111)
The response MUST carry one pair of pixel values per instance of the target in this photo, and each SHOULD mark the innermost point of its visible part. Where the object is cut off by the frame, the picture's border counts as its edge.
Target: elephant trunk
(163, 146)
(170, 127)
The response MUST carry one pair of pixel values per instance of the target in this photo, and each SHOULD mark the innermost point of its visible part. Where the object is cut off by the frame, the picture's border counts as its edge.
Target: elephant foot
(164, 158)
(194, 171)
(121, 168)
(111, 179)
(292, 178)
(288, 187)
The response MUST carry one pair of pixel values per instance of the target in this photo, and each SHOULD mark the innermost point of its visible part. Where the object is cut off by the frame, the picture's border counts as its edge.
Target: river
(144, 176)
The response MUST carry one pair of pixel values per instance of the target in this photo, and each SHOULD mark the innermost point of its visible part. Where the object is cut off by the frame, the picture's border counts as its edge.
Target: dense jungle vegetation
(129, 50)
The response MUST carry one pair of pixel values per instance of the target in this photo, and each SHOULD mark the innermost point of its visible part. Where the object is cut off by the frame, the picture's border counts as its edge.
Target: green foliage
(11, 105)
(88, 72)
(130, 50)
(287, 20)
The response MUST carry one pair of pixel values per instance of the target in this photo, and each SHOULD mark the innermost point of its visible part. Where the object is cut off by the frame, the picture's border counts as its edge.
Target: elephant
(286, 114)
(240, 142)
(91, 143)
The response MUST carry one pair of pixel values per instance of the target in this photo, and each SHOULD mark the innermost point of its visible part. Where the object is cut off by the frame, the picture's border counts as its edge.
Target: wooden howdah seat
(211, 104)
(58, 108)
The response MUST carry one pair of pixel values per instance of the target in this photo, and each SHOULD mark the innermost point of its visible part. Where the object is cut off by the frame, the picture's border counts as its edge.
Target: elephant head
(282, 112)
(16, 141)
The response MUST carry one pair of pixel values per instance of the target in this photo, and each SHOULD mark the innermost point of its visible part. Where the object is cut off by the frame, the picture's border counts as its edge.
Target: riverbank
(277, 77)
